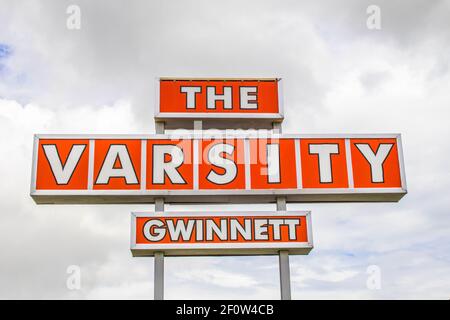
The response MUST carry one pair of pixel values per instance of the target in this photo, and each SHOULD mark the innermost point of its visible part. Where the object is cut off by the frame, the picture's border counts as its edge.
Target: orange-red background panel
(171, 98)
(310, 165)
(117, 183)
(205, 166)
(361, 168)
(45, 179)
(259, 167)
(185, 169)
(301, 230)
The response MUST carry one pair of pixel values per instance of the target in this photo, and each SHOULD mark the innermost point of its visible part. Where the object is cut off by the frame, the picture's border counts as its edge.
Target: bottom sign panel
(220, 233)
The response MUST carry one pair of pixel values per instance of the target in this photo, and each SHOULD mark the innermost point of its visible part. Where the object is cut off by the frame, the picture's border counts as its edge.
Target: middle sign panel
(111, 169)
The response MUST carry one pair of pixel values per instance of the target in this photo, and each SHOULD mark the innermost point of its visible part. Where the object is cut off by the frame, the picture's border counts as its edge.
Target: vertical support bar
(281, 204)
(159, 256)
(285, 277)
(159, 276)
(159, 127)
(198, 126)
(159, 204)
(159, 261)
(276, 126)
(285, 274)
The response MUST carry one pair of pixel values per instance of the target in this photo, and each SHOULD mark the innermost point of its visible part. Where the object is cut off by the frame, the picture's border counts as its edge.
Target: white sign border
(218, 195)
(225, 249)
(176, 119)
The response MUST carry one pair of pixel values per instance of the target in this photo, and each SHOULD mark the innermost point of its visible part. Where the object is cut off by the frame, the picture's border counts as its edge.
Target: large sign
(220, 233)
(241, 168)
(220, 103)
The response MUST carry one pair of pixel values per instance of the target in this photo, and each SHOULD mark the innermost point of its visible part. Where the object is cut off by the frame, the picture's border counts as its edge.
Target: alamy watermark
(73, 281)
(73, 21)
(374, 279)
(373, 21)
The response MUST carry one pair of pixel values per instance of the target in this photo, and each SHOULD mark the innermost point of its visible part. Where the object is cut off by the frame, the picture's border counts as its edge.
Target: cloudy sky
(339, 76)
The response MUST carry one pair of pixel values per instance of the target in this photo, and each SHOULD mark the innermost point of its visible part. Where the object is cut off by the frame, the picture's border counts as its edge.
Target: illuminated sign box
(219, 103)
(220, 233)
(225, 169)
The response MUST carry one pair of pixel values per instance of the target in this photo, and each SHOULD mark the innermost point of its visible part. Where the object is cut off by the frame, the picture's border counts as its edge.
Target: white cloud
(338, 77)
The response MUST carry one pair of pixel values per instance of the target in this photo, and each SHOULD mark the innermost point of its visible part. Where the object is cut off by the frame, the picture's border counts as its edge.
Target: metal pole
(198, 126)
(159, 262)
(276, 126)
(158, 287)
(285, 275)
(159, 276)
(159, 127)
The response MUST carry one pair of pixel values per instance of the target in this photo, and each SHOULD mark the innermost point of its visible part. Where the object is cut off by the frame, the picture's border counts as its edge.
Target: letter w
(180, 228)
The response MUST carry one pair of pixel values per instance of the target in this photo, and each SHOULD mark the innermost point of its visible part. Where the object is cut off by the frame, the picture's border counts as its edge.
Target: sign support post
(283, 255)
(285, 277)
(159, 262)
(159, 276)
(158, 281)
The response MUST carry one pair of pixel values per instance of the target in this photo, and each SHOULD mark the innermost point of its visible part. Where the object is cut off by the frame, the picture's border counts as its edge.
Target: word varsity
(107, 169)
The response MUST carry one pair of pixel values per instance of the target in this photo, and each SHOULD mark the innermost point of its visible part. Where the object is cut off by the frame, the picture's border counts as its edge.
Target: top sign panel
(245, 103)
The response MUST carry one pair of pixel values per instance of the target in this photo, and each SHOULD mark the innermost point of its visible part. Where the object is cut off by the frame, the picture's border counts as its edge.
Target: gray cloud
(338, 77)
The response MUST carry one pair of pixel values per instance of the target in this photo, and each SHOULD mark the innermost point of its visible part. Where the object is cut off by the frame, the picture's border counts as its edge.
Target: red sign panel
(98, 169)
(220, 233)
(181, 100)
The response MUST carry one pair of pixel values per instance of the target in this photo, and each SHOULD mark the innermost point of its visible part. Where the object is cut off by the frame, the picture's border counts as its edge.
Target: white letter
(221, 231)
(375, 160)
(199, 230)
(63, 173)
(180, 228)
(324, 151)
(215, 158)
(273, 163)
(73, 21)
(248, 101)
(213, 97)
(292, 223)
(155, 234)
(190, 95)
(374, 20)
(160, 167)
(245, 232)
(261, 229)
(276, 223)
(107, 171)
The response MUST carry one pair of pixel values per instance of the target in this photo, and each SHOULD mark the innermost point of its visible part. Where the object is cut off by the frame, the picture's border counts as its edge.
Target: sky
(339, 76)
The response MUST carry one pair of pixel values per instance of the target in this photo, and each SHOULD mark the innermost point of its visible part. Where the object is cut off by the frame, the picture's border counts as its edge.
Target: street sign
(220, 233)
(219, 168)
(219, 103)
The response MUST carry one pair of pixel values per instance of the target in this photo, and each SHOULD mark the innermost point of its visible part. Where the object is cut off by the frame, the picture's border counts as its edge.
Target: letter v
(63, 172)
